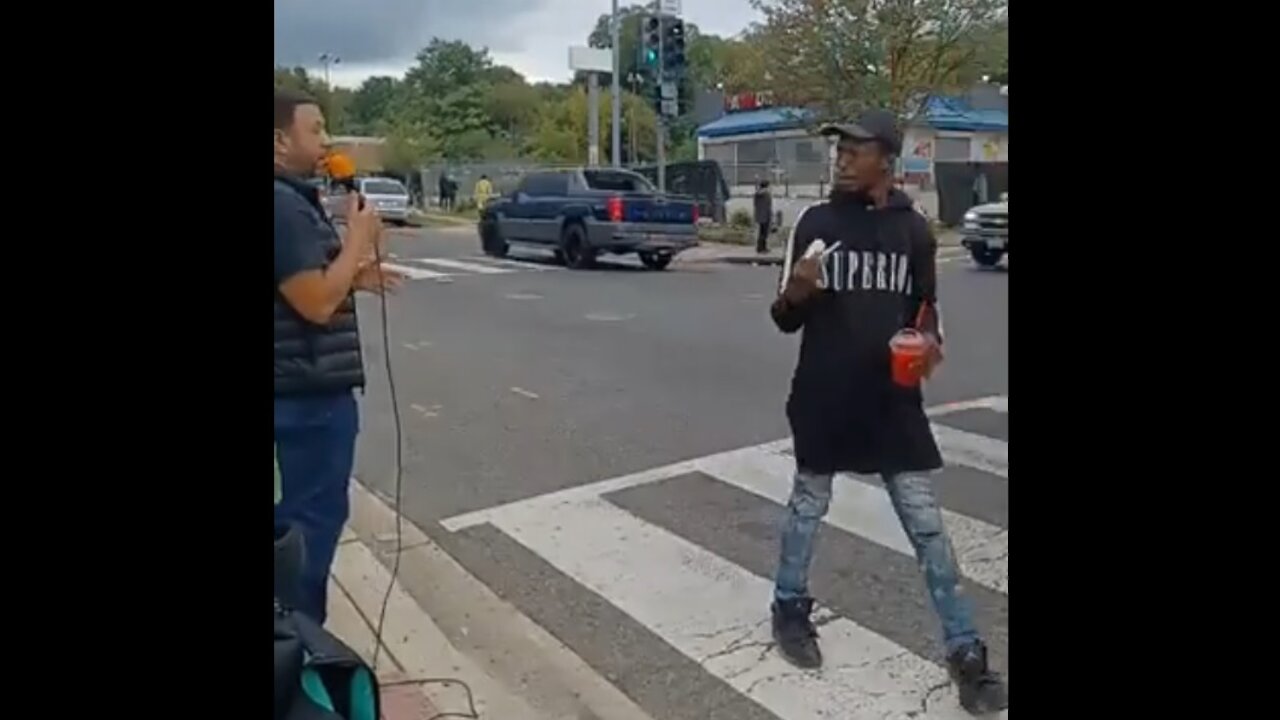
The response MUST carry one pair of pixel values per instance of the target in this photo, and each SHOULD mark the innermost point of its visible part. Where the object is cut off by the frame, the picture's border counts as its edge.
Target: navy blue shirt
(302, 231)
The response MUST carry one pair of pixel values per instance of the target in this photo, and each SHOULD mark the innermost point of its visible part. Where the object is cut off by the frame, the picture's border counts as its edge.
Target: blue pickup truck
(582, 213)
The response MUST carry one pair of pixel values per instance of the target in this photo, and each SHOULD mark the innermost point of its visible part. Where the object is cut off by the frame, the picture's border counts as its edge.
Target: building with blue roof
(955, 153)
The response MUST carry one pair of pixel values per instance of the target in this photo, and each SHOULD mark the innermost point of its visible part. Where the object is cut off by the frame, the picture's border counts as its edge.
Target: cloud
(381, 36)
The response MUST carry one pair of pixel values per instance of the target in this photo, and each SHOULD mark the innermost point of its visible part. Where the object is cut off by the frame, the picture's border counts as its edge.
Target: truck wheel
(655, 261)
(986, 257)
(491, 240)
(578, 255)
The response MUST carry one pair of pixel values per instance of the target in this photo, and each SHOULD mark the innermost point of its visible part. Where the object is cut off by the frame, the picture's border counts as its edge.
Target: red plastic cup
(907, 349)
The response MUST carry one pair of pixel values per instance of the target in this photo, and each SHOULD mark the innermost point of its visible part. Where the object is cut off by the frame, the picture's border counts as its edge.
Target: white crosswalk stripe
(465, 267)
(415, 273)
(714, 611)
(446, 269)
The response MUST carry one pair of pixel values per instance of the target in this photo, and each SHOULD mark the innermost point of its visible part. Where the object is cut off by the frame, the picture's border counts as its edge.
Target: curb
(486, 639)
(431, 218)
(766, 260)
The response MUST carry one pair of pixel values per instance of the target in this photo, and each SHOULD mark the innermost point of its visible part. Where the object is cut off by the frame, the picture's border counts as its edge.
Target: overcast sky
(380, 37)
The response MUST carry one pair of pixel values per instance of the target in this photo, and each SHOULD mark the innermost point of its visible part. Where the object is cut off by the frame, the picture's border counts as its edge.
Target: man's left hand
(378, 280)
(932, 357)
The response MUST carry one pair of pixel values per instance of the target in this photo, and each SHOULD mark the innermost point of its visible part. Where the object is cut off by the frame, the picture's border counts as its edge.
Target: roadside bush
(741, 219)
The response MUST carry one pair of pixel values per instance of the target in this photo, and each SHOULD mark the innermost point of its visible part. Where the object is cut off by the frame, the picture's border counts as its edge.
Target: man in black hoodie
(846, 413)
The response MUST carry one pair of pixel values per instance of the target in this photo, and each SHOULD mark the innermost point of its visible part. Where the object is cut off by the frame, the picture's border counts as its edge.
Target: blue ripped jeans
(913, 499)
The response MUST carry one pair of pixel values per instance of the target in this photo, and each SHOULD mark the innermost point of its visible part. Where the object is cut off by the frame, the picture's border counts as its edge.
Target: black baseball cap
(878, 125)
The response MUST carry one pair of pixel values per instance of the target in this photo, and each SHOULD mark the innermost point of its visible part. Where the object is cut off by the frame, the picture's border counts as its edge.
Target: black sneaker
(795, 634)
(981, 690)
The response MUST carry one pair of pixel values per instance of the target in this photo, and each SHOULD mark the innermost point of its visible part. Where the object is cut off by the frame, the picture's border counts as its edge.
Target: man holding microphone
(318, 363)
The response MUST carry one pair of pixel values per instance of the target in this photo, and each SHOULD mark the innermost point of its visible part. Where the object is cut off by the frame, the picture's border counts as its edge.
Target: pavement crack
(738, 643)
(1002, 557)
(718, 633)
(928, 695)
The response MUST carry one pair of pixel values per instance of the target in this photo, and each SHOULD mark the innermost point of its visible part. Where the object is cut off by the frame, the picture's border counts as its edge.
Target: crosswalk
(687, 551)
(443, 269)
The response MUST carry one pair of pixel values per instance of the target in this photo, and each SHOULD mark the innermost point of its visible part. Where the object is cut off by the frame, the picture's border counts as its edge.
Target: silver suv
(986, 232)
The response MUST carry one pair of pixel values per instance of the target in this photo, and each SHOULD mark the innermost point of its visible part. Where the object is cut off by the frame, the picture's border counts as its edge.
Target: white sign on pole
(669, 7)
(589, 59)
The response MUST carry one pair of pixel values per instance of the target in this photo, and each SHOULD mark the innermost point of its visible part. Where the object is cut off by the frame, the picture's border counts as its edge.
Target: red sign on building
(748, 101)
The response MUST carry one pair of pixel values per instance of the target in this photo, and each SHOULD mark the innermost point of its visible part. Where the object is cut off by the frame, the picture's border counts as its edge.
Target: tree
(842, 56)
(444, 66)
(511, 107)
(629, 19)
(372, 103)
(333, 101)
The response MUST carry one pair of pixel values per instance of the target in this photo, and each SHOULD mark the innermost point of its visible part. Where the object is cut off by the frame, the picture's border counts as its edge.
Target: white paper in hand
(817, 248)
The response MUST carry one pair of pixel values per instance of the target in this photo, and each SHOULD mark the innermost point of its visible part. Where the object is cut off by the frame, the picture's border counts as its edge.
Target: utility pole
(591, 61)
(616, 135)
(593, 121)
(661, 130)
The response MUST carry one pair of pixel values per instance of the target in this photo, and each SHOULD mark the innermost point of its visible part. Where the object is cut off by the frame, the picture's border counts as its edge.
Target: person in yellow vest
(483, 191)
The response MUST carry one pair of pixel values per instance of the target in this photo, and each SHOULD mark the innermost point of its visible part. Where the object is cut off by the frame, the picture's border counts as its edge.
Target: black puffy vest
(313, 359)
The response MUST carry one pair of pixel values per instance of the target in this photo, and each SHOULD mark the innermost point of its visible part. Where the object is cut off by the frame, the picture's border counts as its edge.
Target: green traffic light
(651, 56)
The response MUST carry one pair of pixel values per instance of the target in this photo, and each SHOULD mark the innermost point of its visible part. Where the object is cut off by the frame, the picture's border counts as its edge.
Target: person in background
(763, 201)
(453, 194)
(444, 191)
(846, 412)
(318, 362)
(483, 191)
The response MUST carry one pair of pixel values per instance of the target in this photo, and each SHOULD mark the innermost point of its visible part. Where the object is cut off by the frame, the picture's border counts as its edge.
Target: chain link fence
(504, 176)
(791, 180)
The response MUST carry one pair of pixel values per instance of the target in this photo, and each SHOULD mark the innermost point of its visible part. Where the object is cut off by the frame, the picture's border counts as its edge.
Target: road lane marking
(414, 273)
(459, 265)
(525, 393)
(609, 317)
(517, 264)
(865, 510)
(862, 509)
(712, 611)
(997, 403)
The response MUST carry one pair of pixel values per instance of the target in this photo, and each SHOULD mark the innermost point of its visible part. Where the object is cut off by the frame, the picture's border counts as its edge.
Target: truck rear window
(616, 181)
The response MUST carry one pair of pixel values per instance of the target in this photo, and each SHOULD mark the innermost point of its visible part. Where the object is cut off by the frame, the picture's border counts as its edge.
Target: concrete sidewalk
(413, 648)
(442, 622)
(713, 252)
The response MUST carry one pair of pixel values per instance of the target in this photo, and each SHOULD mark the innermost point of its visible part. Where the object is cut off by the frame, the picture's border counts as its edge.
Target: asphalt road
(519, 380)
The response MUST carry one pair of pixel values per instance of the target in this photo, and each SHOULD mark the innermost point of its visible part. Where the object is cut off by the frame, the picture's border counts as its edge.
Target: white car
(986, 232)
(388, 195)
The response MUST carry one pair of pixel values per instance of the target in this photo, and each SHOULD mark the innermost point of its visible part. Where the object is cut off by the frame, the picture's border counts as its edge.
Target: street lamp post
(327, 60)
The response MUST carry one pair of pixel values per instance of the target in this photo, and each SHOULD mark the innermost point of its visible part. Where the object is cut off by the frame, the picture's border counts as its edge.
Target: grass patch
(738, 235)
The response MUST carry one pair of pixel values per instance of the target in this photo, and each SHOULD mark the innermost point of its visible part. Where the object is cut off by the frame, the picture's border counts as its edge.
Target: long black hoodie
(845, 411)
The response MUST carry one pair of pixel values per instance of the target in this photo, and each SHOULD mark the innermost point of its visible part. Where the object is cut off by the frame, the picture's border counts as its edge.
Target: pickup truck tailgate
(651, 210)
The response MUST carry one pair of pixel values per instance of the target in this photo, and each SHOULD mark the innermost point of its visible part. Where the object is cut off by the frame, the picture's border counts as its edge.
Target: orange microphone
(342, 171)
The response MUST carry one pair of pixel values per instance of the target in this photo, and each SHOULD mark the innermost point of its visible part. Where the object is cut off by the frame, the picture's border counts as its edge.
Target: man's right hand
(364, 227)
(803, 282)
(809, 270)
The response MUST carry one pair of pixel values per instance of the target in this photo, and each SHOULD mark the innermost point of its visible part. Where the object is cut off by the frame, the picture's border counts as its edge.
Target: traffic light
(650, 41)
(673, 47)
